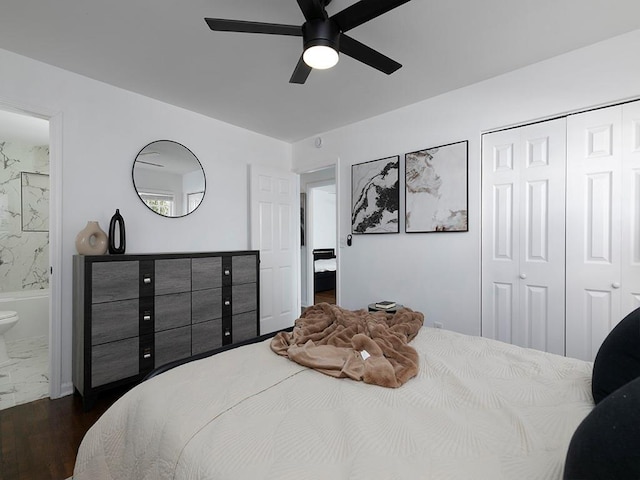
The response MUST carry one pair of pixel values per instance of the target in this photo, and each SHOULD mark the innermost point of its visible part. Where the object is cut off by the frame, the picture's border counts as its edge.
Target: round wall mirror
(169, 178)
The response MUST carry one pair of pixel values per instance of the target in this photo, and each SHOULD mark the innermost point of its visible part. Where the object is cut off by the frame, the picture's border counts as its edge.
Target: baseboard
(66, 389)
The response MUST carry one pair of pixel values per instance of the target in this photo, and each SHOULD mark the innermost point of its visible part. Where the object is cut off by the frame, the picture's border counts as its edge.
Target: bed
(477, 409)
(324, 269)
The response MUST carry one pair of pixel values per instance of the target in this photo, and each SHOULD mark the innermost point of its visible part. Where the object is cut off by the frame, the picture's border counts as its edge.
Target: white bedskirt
(479, 409)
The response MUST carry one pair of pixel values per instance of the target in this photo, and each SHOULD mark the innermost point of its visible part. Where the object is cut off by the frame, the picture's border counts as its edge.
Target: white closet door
(523, 235)
(630, 252)
(594, 159)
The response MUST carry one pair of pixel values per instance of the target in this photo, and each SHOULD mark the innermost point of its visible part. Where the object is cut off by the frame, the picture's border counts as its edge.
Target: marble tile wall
(24, 216)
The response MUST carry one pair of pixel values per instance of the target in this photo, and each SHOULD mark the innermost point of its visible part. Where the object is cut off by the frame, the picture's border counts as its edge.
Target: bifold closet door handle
(615, 285)
(147, 280)
(523, 276)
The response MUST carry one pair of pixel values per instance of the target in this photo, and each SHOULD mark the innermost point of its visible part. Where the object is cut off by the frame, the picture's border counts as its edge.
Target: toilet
(7, 320)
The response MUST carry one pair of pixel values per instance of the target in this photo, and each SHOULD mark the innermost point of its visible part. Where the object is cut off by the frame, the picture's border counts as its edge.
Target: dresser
(134, 313)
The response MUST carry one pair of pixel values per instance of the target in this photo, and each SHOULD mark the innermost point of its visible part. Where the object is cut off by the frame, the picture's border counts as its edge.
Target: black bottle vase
(117, 222)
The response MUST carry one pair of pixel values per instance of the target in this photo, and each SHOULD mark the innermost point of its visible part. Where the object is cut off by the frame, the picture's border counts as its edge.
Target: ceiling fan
(323, 36)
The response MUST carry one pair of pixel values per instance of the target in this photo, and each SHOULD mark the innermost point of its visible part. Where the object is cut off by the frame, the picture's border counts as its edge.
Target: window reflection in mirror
(169, 178)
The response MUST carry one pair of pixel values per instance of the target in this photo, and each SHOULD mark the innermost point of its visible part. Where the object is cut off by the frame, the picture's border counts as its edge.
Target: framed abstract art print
(436, 189)
(375, 196)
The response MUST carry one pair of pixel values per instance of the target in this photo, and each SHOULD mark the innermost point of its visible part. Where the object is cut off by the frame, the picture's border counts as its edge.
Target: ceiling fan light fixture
(321, 43)
(320, 57)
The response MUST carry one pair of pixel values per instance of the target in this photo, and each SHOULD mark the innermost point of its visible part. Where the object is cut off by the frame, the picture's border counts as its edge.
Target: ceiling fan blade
(312, 9)
(364, 54)
(363, 11)
(301, 72)
(222, 25)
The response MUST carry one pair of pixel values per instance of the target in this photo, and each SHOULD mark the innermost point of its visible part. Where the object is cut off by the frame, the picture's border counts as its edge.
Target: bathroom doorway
(24, 256)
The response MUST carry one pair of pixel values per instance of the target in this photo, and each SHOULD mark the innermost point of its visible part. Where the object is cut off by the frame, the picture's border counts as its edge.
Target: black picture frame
(375, 196)
(437, 189)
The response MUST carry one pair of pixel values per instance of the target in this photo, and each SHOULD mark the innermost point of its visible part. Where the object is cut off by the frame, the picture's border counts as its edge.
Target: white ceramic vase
(92, 240)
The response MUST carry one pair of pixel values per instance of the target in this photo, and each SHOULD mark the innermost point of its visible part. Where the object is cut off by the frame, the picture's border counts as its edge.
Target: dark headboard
(324, 253)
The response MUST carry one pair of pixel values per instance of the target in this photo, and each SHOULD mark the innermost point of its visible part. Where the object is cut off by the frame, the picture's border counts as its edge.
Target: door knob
(523, 276)
(615, 285)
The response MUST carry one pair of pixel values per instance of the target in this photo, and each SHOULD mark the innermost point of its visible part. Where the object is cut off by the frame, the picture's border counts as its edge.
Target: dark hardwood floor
(40, 440)
(328, 296)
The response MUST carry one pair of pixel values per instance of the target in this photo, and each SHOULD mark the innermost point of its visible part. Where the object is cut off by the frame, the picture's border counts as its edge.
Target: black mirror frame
(204, 176)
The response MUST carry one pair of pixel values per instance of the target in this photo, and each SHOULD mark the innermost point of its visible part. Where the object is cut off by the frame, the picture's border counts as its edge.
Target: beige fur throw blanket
(361, 345)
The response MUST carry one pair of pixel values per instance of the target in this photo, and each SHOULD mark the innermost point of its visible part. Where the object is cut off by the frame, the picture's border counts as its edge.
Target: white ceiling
(163, 49)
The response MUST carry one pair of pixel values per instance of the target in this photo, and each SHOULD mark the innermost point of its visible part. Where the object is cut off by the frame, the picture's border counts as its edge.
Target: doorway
(318, 256)
(24, 255)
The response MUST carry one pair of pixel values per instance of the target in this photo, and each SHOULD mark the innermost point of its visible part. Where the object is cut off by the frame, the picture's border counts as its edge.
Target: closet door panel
(542, 223)
(523, 235)
(594, 180)
(501, 312)
(536, 300)
(630, 251)
(500, 240)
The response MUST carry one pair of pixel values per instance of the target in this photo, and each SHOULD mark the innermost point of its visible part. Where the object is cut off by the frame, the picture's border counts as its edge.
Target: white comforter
(479, 409)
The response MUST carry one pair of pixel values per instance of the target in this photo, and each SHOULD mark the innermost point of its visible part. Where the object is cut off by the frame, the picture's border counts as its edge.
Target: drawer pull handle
(147, 355)
(227, 333)
(227, 272)
(146, 318)
(147, 280)
(227, 302)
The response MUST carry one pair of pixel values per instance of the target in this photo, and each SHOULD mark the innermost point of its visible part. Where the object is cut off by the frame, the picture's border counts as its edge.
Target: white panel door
(603, 223)
(275, 232)
(630, 251)
(594, 159)
(523, 235)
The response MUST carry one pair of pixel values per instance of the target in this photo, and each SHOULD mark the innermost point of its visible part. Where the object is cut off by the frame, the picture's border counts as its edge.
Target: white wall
(439, 273)
(324, 218)
(103, 128)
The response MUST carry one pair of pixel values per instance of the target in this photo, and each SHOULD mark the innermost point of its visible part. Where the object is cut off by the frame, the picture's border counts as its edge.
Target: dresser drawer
(114, 321)
(243, 269)
(244, 298)
(206, 336)
(114, 361)
(206, 305)
(172, 275)
(245, 326)
(114, 281)
(171, 345)
(172, 311)
(206, 273)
